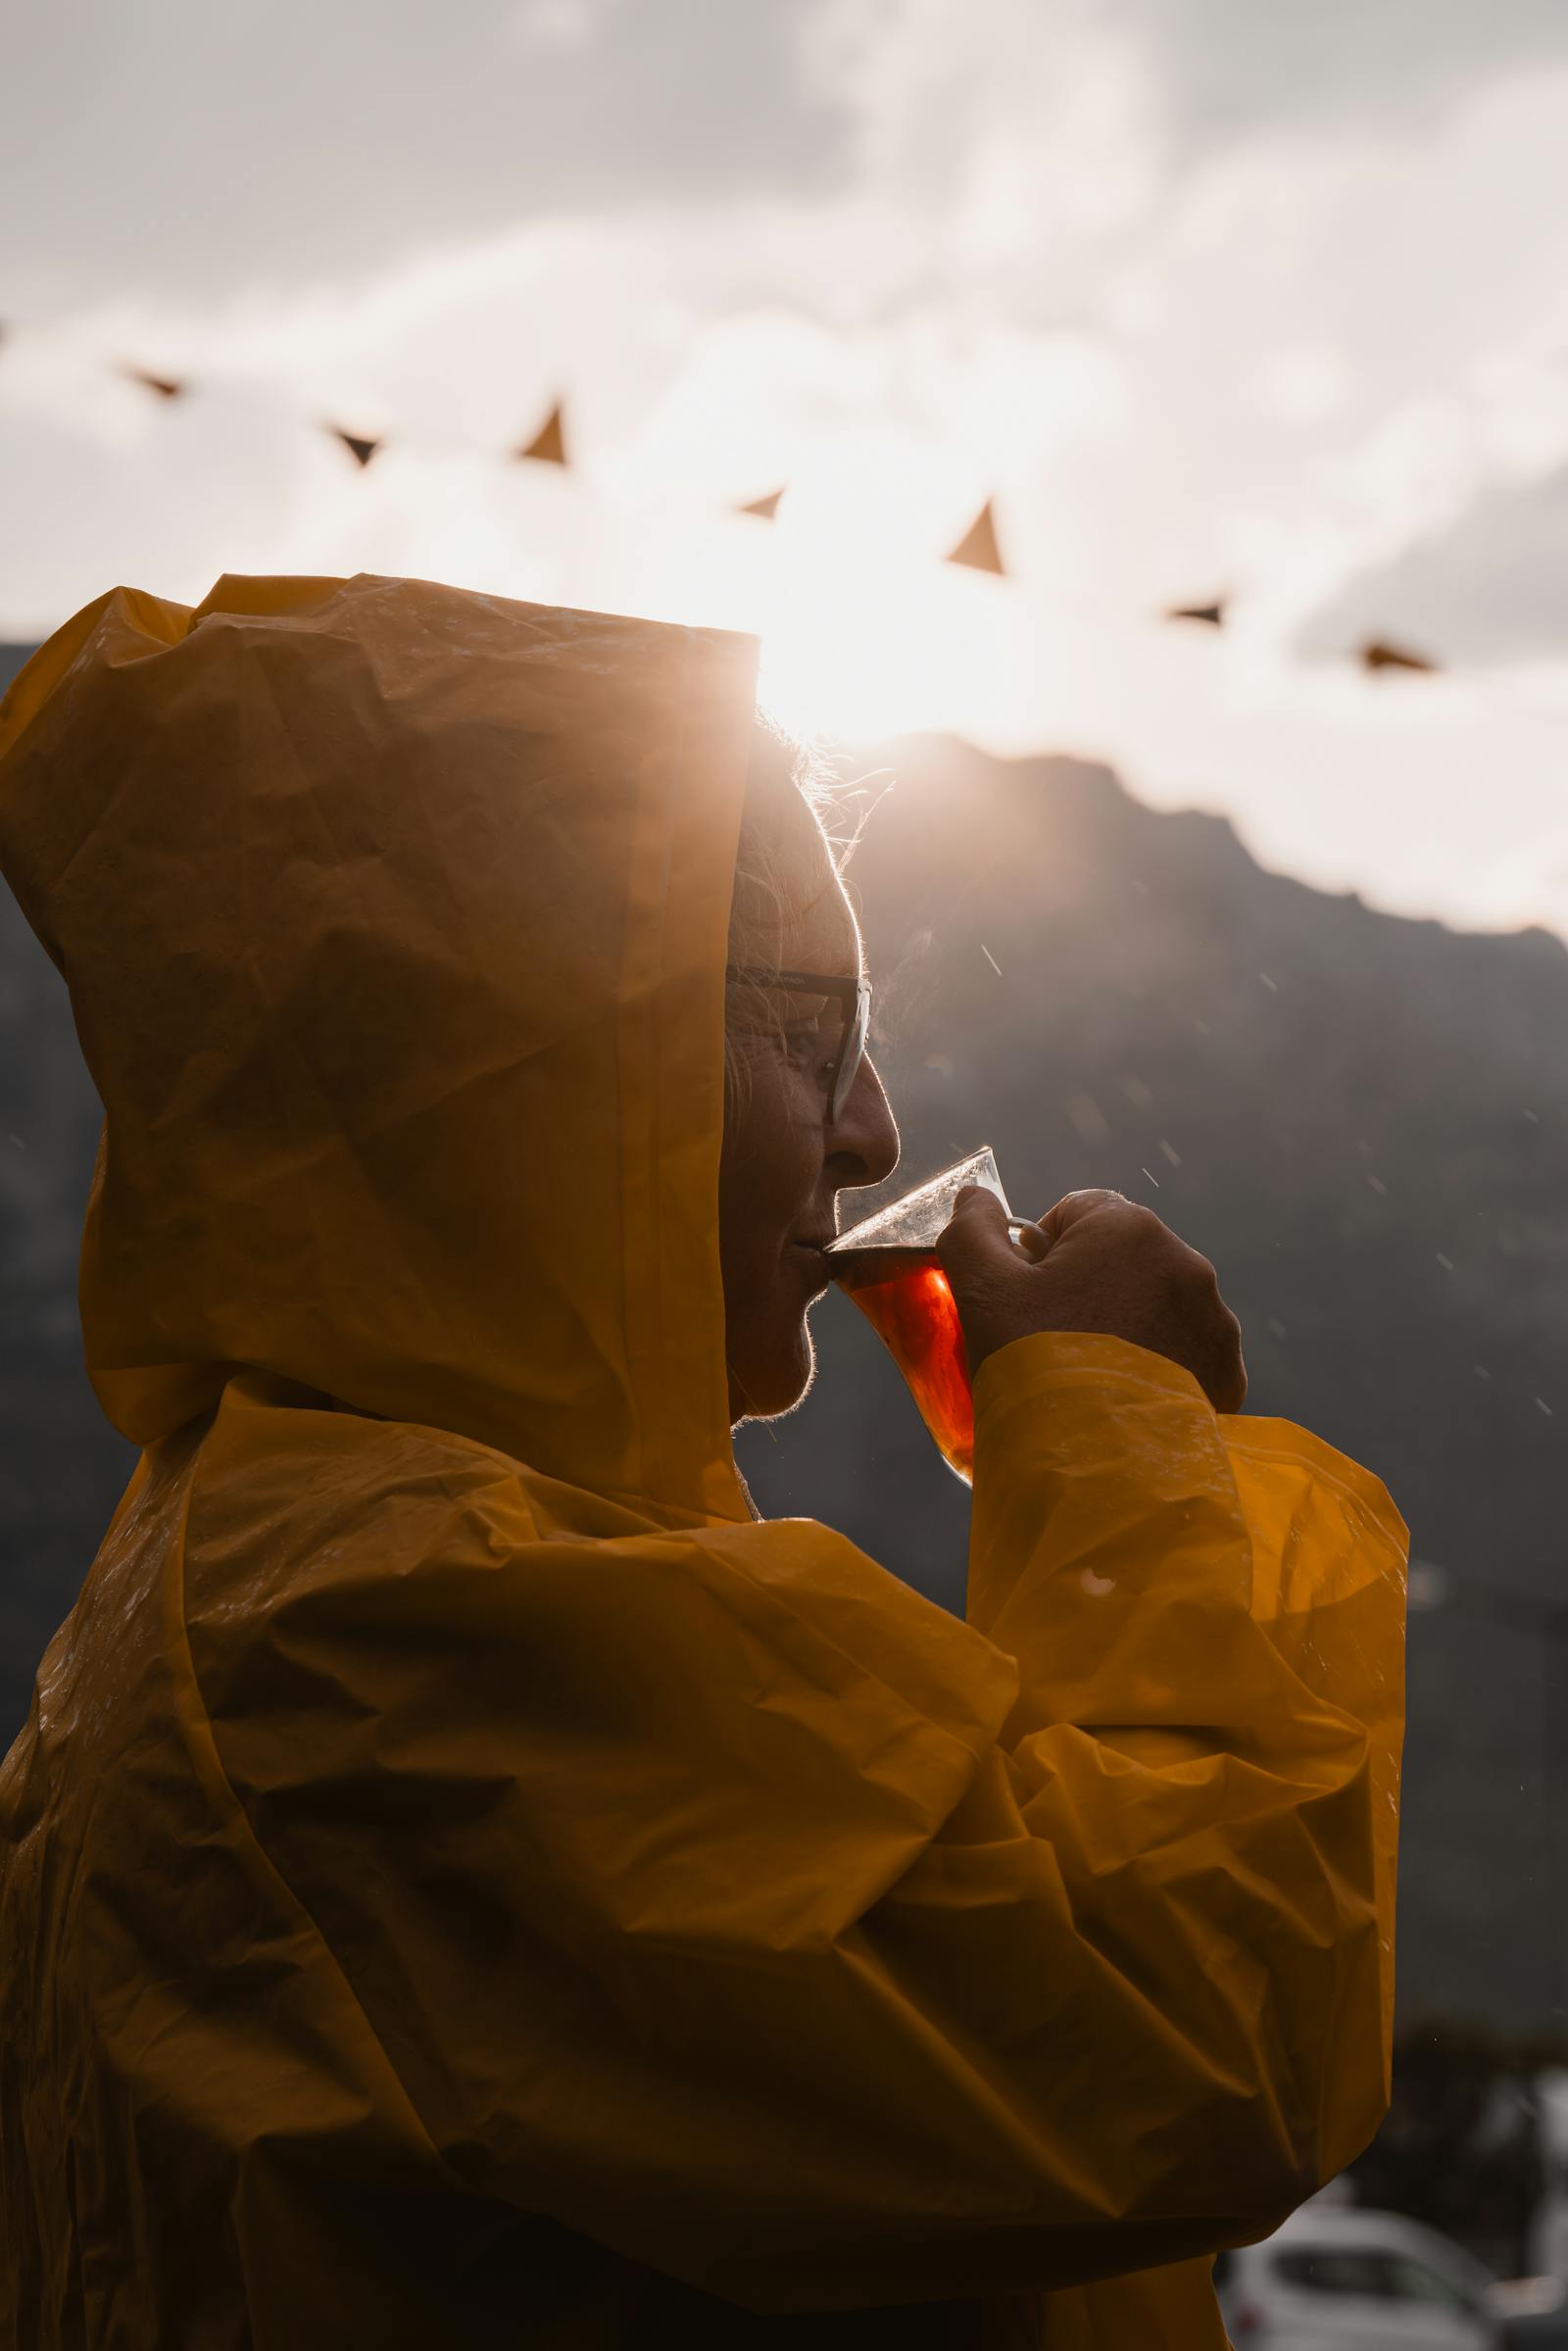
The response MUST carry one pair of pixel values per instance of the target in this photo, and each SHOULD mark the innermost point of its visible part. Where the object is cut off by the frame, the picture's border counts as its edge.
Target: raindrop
(1426, 1585)
(1446, 1263)
(1543, 1405)
(1087, 1120)
(1171, 1153)
(1482, 1372)
(1276, 1326)
(1534, 1117)
(991, 958)
(1154, 1179)
(1377, 1185)
(1272, 985)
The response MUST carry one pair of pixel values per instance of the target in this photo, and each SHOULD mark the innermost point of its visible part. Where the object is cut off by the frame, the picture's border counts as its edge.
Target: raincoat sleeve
(720, 1897)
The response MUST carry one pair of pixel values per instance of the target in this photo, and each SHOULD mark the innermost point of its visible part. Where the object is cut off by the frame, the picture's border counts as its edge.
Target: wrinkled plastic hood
(393, 921)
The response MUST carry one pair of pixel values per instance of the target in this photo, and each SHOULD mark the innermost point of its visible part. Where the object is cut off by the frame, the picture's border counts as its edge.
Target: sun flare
(859, 642)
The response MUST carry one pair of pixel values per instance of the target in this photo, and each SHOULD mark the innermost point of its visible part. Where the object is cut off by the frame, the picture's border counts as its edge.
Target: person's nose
(862, 1143)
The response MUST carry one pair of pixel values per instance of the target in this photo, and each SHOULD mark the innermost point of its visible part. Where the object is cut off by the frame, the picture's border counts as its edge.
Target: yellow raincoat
(466, 1882)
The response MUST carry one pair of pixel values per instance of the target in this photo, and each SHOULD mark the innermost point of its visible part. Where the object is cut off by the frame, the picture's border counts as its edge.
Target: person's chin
(784, 1381)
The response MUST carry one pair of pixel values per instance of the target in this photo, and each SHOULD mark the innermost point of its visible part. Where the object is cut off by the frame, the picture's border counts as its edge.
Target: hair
(784, 789)
(789, 789)
(792, 793)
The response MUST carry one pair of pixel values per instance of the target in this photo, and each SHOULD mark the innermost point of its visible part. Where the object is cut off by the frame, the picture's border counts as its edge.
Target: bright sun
(866, 630)
(859, 643)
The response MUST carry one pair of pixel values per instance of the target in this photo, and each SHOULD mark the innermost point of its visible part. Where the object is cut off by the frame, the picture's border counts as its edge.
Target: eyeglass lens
(856, 1018)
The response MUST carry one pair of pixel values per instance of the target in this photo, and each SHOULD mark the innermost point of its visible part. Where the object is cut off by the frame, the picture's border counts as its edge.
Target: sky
(1210, 297)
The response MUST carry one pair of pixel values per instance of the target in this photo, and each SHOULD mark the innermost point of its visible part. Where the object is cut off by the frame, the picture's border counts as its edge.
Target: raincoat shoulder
(712, 1892)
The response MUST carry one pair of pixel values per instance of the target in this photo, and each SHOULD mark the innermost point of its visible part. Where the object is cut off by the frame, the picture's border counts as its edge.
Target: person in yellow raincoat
(466, 1882)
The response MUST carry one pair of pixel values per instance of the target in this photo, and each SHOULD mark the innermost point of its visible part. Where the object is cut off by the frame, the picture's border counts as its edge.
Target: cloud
(556, 23)
(200, 150)
(1491, 588)
(1232, 68)
(1208, 297)
(1084, 115)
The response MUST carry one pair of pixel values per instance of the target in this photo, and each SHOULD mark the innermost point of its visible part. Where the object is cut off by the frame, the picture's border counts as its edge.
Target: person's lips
(811, 1249)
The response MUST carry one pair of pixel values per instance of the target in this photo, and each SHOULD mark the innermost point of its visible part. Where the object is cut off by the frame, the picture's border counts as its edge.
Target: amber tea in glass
(886, 1264)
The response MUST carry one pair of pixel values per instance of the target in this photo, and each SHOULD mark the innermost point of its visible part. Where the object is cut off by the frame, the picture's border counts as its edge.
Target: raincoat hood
(393, 919)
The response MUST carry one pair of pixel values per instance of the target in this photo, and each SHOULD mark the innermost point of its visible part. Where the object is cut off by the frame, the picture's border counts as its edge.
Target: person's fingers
(1074, 1208)
(976, 1236)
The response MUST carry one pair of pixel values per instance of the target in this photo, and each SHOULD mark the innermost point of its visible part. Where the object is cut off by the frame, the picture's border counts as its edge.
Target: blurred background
(1138, 430)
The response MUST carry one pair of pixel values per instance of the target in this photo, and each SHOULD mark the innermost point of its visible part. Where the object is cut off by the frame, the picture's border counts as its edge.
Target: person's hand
(1097, 1262)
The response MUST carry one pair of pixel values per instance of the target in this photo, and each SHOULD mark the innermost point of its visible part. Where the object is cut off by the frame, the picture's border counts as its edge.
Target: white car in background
(1337, 2278)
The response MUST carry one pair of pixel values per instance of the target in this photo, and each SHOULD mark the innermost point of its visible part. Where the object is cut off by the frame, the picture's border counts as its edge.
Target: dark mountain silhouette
(1363, 1120)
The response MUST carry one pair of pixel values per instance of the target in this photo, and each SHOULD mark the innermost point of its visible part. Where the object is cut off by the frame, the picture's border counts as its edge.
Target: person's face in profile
(784, 1162)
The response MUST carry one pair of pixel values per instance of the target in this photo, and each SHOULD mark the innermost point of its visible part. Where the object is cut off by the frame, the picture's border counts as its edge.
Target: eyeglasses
(853, 995)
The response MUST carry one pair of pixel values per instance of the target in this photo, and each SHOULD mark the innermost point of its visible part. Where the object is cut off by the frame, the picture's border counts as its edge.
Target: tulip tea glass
(888, 1265)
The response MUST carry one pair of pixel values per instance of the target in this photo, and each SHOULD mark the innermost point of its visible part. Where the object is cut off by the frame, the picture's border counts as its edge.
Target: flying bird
(1213, 613)
(978, 546)
(1376, 655)
(166, 387)
(361, 448)
(549, 444)
(767, 506)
